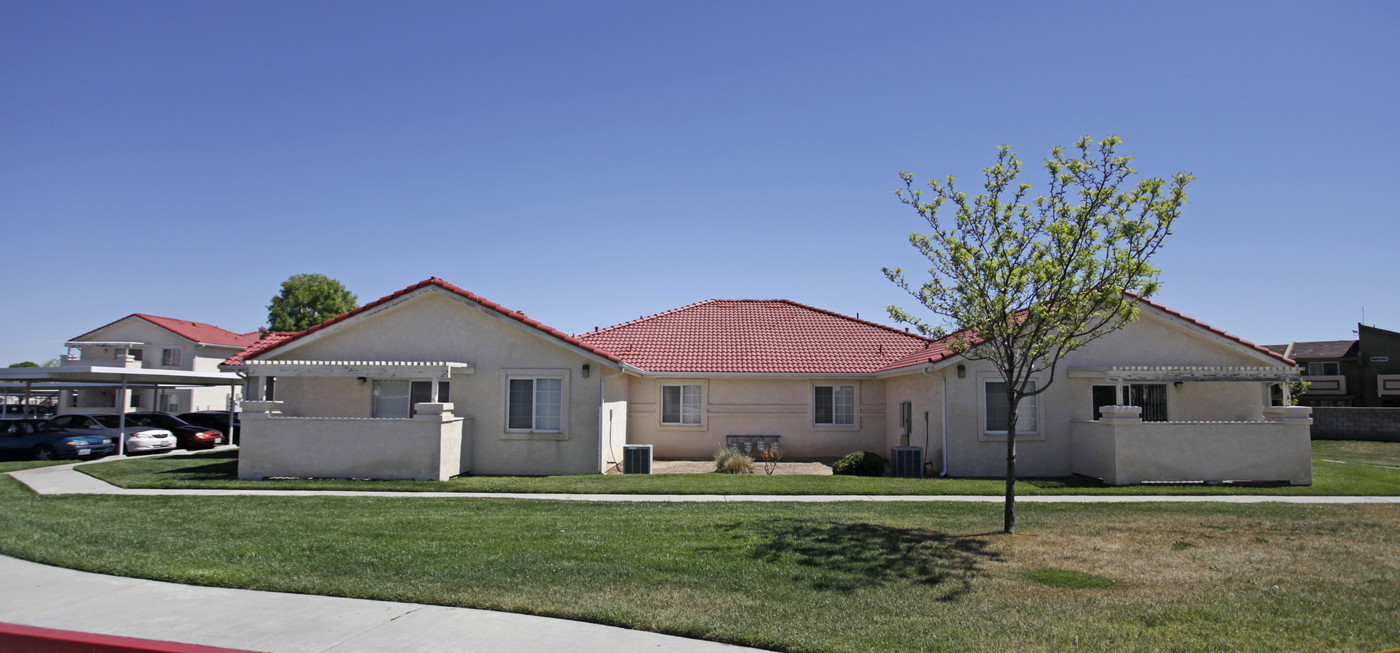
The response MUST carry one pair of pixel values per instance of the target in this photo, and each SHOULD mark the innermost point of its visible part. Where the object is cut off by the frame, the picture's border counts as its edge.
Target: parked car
(214, 419)
(33, 438)
(137, 439)
(187, 435)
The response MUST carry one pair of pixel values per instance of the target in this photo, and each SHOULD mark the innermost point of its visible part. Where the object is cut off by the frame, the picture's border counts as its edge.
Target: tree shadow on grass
(843, 556)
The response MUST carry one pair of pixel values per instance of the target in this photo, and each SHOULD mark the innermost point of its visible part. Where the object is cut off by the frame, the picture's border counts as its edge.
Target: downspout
(602, 403)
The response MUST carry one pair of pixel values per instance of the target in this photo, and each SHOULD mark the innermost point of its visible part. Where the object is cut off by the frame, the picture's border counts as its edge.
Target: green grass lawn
(16, 465)
(1339, 468)
(1385, 454)
(787, 576)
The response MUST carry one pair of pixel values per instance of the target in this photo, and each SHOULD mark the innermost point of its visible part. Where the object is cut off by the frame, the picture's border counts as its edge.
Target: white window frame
(834, 423)
(1021, 431)
(562, 376)
(410, 406)
(171, 357)
(698, 397)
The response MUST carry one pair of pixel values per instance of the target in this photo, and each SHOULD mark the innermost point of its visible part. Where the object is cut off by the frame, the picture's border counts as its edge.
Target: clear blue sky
(588, 163)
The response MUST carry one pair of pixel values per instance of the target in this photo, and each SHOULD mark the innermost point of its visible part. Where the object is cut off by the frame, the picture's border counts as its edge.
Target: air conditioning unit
(908, 462)
(636, 459)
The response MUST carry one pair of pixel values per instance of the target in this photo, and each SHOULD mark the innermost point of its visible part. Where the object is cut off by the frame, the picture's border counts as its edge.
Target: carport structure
(69, 375)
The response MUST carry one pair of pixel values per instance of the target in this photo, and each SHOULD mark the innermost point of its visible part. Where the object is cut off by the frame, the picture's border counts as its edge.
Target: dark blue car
(32, 438)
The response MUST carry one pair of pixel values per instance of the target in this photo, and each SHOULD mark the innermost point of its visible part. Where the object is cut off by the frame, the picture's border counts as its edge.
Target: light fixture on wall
(1176, 384)
(585, 370)
(361, 379)
(962, 370)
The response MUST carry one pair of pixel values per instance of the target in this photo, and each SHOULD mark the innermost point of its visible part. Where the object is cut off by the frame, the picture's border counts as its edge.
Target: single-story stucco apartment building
(434, 381)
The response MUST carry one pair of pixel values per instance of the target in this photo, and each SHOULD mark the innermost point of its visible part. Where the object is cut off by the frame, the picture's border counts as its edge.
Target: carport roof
(111, 374)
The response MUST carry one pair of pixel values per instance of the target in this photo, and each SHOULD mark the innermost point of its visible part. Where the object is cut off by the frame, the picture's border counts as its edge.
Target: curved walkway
(64, 479)
(32, 594)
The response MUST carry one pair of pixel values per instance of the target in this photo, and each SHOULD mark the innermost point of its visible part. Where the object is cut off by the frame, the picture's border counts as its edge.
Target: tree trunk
(1009, 514)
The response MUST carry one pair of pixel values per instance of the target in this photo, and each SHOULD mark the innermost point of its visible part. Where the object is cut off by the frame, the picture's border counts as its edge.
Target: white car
(137, 439)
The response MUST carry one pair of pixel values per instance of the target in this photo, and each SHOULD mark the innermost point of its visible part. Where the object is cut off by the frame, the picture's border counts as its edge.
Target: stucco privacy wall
(1126, 454)
(435, 325)
(756, 406)
(1151, 340)
(193, 356)
(425, 448)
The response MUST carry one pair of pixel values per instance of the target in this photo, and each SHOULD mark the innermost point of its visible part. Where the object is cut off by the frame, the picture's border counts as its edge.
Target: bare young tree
(1026, 281)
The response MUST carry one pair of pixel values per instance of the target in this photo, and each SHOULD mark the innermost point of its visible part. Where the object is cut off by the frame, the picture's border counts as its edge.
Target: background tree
(307, 300)
(24, 364)
(1028, 281)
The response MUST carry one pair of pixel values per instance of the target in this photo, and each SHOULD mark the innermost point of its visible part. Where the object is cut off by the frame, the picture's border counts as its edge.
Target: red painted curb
(15, 638)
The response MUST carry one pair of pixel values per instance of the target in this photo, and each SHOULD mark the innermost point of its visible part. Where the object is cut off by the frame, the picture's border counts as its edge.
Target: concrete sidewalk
(64, 479)
(52, 597)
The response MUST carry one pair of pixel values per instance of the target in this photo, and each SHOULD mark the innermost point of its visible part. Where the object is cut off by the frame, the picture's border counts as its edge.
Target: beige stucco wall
(432, 325)
(925, 396)
(426, 448)
(757, 406)
(1152, 340)
(1124, 454)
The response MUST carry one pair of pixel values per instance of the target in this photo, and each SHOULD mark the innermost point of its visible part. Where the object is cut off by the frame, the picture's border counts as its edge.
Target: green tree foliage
(25, 364)
(307, 300)
(1027, 281)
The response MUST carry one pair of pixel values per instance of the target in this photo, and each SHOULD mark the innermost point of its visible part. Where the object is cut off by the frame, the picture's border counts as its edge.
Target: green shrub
(860, 463)
(733, 461)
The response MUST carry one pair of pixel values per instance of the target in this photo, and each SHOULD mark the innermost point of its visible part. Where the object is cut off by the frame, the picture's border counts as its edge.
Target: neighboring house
(148, 341)
(1363, 372)
(434, 381)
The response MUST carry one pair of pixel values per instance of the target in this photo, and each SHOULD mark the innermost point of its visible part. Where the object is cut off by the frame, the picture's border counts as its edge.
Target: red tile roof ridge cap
(790, 302)
(433, 281)
(891, 329)
(646, 317)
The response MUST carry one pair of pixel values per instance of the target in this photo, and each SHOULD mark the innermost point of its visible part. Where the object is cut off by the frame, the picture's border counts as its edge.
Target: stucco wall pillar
(1120, 415)
(1288, 414)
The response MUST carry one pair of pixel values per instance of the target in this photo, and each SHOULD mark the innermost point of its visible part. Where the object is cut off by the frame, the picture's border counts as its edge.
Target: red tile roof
(755, 336)
(278, 339)
(781, 336)
(196, 331)
(775, 336)
(269, 341)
